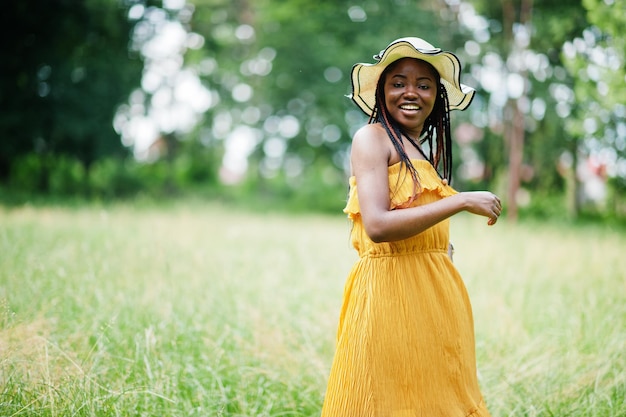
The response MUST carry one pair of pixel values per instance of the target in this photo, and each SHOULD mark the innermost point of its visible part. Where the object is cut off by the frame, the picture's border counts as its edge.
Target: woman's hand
(483, 203)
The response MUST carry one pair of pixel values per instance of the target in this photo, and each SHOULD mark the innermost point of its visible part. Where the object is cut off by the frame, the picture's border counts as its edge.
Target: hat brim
(365, 76)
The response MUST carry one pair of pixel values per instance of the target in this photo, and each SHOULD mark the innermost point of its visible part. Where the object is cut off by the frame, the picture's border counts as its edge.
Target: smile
(410, 107)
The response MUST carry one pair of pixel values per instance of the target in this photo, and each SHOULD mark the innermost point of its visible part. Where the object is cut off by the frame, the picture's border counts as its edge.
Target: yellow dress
(405, 342)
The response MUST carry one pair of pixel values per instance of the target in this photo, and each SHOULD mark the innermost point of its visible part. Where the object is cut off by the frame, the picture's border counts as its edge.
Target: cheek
(391, 95)
(431, 98)
(389, 98)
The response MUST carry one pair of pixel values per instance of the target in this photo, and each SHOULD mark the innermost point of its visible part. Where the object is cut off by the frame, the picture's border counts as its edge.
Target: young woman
(405, 342)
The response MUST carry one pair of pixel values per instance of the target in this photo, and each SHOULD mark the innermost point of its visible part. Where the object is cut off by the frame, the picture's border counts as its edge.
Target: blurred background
(246, 100)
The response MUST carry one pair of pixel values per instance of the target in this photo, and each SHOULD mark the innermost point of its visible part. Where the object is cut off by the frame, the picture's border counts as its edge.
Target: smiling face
(410, 93)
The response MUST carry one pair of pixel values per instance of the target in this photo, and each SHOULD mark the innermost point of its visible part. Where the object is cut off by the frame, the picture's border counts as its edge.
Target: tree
(283, 73)
(64, 72)
(596, 60)
(514, 55)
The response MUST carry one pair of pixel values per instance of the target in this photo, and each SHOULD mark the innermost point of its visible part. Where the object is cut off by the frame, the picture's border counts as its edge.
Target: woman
(405, 343)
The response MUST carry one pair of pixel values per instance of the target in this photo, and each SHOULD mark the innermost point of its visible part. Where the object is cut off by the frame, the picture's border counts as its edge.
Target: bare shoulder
(371, 139)
(372, 134)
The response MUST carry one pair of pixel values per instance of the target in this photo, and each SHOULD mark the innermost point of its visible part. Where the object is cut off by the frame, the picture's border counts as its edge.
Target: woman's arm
(370, 158)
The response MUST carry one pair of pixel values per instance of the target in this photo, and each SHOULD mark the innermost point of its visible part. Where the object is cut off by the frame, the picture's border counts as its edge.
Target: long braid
(445, 121)
(437, 125)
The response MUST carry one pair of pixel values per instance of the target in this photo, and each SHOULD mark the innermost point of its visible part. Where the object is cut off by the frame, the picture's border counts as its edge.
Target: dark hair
(436, 126)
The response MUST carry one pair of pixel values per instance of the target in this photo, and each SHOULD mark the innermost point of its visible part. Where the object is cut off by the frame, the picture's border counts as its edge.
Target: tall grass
(199, 310)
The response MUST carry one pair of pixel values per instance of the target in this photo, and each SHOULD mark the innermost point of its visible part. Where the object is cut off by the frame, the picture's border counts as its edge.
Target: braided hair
(436, 128)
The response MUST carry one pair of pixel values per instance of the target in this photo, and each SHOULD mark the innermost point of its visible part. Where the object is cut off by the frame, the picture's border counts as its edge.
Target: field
(206, 310)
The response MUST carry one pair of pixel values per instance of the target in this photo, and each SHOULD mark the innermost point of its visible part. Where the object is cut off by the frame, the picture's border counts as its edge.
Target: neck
(414, 133)
(416, 145)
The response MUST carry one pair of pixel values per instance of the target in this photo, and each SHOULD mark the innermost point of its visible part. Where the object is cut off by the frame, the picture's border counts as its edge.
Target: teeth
(410, 107)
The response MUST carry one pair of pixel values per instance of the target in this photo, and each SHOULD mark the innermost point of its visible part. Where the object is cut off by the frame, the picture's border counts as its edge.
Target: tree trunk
(515, 133)
(516, 158)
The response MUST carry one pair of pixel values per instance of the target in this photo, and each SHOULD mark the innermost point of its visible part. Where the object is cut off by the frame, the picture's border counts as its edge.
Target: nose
(411, 92)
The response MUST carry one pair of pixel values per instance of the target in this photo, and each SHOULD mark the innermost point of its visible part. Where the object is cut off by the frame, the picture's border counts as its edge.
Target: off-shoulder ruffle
(402, 189)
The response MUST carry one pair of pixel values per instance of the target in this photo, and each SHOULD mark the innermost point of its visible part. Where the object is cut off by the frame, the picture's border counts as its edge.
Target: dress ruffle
(402, 189)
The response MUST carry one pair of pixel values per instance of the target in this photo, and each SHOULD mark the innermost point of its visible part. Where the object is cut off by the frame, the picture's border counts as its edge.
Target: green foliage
(196, 164)
(596, 59)
(114, 177)
(64, 73)
(67, 176)
(549, 23)
(28, 173)
(609, 16)
(545, 206)
(310, 61)
(62, 176)
(319, 189)
(110, 178)
(118, 178)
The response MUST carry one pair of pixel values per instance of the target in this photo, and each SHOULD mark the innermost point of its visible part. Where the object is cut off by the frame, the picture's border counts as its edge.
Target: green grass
(203, 310)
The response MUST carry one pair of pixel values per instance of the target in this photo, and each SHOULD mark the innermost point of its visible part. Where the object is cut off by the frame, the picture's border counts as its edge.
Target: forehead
(405, 66)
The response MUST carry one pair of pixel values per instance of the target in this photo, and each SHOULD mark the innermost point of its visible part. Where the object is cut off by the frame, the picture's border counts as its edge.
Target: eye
(398, 85)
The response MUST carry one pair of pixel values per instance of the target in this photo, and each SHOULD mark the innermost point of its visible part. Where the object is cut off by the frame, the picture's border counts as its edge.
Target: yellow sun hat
(365, 76)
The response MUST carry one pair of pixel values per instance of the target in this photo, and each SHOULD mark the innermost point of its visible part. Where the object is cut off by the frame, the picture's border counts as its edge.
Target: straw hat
(365, 76)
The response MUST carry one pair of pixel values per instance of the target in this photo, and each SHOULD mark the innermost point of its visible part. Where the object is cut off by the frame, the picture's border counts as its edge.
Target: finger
(494, 218)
